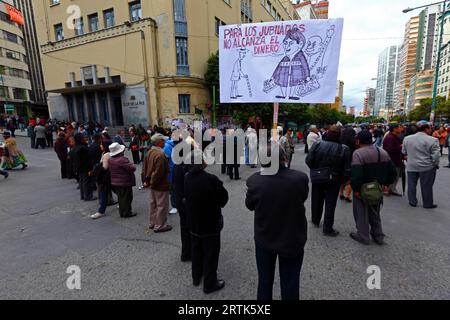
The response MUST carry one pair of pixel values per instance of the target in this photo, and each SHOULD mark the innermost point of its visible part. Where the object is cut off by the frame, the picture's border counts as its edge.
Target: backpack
(372, 192)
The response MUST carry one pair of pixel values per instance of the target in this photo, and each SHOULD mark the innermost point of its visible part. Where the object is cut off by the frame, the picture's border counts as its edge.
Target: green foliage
(212, 74)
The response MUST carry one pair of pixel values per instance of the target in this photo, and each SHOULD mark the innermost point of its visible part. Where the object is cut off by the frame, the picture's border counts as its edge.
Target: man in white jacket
(313, 136)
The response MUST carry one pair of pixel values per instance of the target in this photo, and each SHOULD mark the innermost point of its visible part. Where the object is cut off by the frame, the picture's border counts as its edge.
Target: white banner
(285, 61)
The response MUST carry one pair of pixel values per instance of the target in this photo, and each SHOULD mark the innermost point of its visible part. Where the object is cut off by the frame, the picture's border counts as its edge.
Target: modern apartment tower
(37, 94)
(388, 75)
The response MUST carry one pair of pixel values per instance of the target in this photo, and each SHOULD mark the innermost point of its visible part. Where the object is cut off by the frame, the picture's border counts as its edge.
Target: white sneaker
(173, 211)
(98, 215)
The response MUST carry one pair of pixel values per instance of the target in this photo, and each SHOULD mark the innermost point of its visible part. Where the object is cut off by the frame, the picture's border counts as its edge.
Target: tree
(212, 76)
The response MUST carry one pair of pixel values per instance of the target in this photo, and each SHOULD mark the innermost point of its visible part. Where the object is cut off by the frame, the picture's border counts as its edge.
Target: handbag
(321, 176)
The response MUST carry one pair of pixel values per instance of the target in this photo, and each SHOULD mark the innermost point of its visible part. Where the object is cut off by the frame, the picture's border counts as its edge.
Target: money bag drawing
(297, 74)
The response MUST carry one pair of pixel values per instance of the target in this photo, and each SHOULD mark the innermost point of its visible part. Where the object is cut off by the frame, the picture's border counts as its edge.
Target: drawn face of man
(242, 55)
(314, 45)
(291, 46)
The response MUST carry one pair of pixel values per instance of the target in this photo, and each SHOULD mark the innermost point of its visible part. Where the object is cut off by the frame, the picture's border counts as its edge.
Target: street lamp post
(438, 62)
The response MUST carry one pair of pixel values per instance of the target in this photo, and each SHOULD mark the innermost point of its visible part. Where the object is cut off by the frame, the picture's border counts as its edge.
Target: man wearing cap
(422, 152)
(369, 164)
(156, 177)
(393, 147)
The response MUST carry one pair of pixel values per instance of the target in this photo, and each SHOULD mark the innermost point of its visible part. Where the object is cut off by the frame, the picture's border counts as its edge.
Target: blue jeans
(103, 200)
(247, 155)
(378, 141)
(289, 274)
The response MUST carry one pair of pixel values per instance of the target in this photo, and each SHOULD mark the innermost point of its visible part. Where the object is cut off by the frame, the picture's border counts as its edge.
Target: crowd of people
(358, 164)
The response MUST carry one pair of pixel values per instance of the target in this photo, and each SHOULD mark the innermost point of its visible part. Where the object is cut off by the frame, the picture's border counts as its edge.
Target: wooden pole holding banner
(214, 121)
(276, 108)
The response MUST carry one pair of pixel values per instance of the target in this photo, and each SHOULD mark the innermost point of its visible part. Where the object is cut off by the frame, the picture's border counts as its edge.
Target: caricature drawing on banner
(291, 62)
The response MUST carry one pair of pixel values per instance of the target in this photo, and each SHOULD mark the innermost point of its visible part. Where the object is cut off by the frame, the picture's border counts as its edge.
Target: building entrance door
(117, 107)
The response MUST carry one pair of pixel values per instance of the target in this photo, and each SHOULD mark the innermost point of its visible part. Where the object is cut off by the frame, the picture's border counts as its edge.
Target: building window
(182, 56)
(108, 16)
(10, 36)
(179, 10)
(135, 11)
(218, 24)
(4, 92)
(59, 33)
(19, 94)
(79, 26)
(93, 22)
(246, 11)
(184, 101)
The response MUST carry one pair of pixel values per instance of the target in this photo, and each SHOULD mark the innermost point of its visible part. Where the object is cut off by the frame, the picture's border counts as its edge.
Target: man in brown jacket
(156, 173)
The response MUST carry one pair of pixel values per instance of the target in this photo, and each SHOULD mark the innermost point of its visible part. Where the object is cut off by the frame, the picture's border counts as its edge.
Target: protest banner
(284, 61)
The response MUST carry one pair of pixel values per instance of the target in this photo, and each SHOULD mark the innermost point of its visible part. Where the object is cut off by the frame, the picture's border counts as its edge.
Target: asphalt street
(44, 229)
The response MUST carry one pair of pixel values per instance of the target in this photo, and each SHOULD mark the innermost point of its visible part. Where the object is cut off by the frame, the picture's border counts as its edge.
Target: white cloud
(370, 26)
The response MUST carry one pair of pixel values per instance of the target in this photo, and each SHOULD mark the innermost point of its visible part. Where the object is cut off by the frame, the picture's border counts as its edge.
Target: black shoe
(332, 234)
(130, 216)
(413, 205)
(6, 175)
(280, 97)
(378, 241)
(219, 286)
(186, 259)
(434, 206)
(355, 237)
(196, 283)
(294, 98)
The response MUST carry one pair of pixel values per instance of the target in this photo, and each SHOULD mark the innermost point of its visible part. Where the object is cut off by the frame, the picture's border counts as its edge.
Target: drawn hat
(245, 50)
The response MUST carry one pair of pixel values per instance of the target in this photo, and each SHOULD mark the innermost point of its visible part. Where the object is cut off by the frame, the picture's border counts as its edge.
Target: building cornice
(99, 35)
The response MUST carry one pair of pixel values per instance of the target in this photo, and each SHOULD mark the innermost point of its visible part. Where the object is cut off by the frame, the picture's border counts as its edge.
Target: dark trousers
(63, 169)
(289, 274)
(33, 142)
(49, 139)
(427, 180)
(173, 197)
(233, 171)
(85, 187)
(103, 197)
(3, 172)
(205, 260)
(186, 246)
(40, 142)
(136, 158)
(125, 198)
(368, 220)
(327, 194)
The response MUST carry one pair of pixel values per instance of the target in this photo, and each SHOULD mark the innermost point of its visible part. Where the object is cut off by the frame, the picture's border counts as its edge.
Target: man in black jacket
(280, 227)
(205, 197)
(179, 172)
(84, 167)
(332, 157)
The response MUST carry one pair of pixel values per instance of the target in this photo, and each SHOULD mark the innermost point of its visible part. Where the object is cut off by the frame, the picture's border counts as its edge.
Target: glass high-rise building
(388, 76)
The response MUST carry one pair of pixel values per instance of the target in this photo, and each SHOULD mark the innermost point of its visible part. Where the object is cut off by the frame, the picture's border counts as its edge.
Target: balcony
(247, 10)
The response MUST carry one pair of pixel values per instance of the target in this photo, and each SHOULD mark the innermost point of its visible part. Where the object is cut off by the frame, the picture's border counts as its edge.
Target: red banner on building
(15, 15)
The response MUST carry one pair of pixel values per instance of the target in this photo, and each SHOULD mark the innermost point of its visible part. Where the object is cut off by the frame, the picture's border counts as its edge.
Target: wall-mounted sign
(15, 15)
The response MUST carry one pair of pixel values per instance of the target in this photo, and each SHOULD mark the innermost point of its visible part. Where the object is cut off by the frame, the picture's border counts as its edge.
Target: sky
(365, 22)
